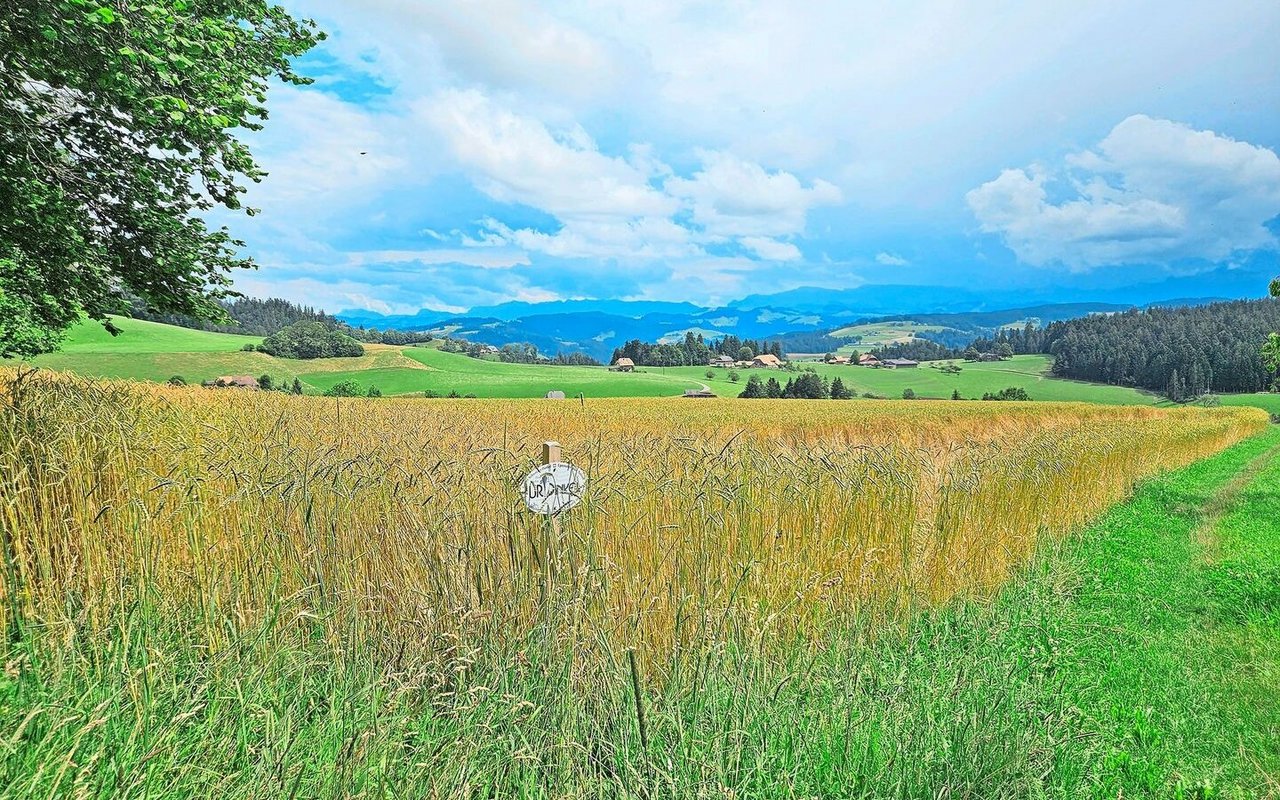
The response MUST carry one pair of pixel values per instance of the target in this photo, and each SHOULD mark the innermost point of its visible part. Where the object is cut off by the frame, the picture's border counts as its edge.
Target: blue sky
(453, 154)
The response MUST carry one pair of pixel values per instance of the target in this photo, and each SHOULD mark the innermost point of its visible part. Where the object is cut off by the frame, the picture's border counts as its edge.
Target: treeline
(694, 351)
(1182, 352)
(253, 317)
(808, 385)
(916, 350)
(1021, 341)
(249, 316)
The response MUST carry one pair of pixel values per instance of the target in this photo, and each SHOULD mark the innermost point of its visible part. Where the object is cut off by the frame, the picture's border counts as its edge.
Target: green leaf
(106, 14)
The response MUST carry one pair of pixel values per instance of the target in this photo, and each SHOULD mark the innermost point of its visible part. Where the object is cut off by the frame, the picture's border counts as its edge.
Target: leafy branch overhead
(119, 127)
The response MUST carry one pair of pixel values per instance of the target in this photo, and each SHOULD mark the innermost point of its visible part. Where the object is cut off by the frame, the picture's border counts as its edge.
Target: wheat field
(394, 525)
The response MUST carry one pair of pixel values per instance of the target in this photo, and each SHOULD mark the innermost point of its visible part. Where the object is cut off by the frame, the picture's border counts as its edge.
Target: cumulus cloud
(517, 159)
(1152, 192)
(891, 260)
(730, 196)
(771, 249)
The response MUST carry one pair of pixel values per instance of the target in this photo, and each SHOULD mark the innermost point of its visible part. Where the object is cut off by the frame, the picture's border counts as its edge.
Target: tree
(310, 340)
(1012, 393)
(908, 394)
(710, 373)
(955, 394)
(839, 391)
(373, 391)
(265, 382)
(344, 389)
(296, 388)
(746, 353)
(1271, 353)
(120, 128)
(773, 389)
(754, 389)
(1004, 350)
(734, 376)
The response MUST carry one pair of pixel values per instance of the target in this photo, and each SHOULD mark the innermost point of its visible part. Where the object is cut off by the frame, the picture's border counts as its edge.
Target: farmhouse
(900, 363)
(766, 360)
(838, 360)
(721, 361)
(234, 382)
(489, 350)
(624, 365)
(988, 357)
(868, 360)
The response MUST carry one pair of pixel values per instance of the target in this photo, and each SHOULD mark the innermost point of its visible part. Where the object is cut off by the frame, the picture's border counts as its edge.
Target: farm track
(1224, 499)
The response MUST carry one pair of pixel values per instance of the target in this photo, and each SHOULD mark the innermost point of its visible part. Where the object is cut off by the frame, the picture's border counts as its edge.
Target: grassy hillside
(877, 334)
(155, 352)
(1027, 372)
(444, 372)
(140, 336)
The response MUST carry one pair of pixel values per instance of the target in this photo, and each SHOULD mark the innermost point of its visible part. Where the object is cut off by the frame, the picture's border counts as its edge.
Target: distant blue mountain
(596, 327)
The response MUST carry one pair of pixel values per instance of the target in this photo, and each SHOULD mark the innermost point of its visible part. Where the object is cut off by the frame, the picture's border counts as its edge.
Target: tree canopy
(118, 127)
(310, 340)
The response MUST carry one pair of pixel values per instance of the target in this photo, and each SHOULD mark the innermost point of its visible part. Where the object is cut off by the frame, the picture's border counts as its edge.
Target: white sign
(555, 487)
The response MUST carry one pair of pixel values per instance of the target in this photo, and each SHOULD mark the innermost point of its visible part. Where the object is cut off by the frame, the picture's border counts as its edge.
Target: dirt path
(1205, 533)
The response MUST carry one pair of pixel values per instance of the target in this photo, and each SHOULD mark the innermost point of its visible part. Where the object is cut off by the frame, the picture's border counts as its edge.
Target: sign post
(550, 489)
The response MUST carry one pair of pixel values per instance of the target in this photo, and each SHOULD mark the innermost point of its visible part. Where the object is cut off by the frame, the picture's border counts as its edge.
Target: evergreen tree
(773, 389)
(754, 389)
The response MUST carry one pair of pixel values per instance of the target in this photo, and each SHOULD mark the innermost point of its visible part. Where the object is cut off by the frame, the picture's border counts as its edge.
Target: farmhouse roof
(767, 359)
(624, 362)
(242, 381)
(902, 362)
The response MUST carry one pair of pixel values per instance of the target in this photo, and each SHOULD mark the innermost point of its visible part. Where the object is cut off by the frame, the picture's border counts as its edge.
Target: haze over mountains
(596, 327)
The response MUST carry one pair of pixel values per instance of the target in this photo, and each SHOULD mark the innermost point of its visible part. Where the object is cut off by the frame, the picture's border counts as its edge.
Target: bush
(310, 340)
(1012, 393)
(908, 394)
(711, 373)
(249, 348)
(266, 383)
(374, 391)
(177, 380)
(453, 393)
(733, 376)
(344, 389)
(430, 394)
(296, 388)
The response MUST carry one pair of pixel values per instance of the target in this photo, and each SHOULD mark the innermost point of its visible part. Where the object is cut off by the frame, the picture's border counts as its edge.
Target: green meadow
(155, 352)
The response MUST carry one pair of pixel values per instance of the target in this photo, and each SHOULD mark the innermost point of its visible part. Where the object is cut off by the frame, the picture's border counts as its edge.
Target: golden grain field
(393, 525)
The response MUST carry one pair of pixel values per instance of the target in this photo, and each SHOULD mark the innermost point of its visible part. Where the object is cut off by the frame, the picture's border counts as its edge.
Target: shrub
(177, 380)
(1012, 393)
(908, 394)
(374, 391)
(734, 376)
(266, 383)
(249, 348)
(453, 393)
(310, 340)
(296, 388)
(711, 373)
(344, 389)
(430, 394)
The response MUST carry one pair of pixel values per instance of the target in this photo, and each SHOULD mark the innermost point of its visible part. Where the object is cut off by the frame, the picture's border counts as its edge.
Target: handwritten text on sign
(552, 488)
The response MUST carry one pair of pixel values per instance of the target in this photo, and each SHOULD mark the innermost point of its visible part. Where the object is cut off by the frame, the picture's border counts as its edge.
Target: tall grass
(204, 550)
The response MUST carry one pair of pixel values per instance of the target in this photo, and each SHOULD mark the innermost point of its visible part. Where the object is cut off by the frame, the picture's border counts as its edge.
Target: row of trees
(1183, 352)
(694, 350)
(808, 385)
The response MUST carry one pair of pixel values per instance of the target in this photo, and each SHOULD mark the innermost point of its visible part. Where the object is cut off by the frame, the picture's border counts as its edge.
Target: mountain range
(596, 327)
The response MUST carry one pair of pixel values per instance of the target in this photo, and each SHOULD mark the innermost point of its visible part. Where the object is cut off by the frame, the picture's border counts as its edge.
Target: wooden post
(550, 452)
(550, 455)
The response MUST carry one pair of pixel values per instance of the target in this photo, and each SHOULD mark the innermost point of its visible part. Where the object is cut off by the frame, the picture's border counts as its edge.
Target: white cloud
(517, 159)
(891, 260)
(483, 258)
(733, 197)
(1152, 191)
(771, 249)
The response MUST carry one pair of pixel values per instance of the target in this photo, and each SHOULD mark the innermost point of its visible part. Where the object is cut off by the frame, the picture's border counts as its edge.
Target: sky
(452, 154)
